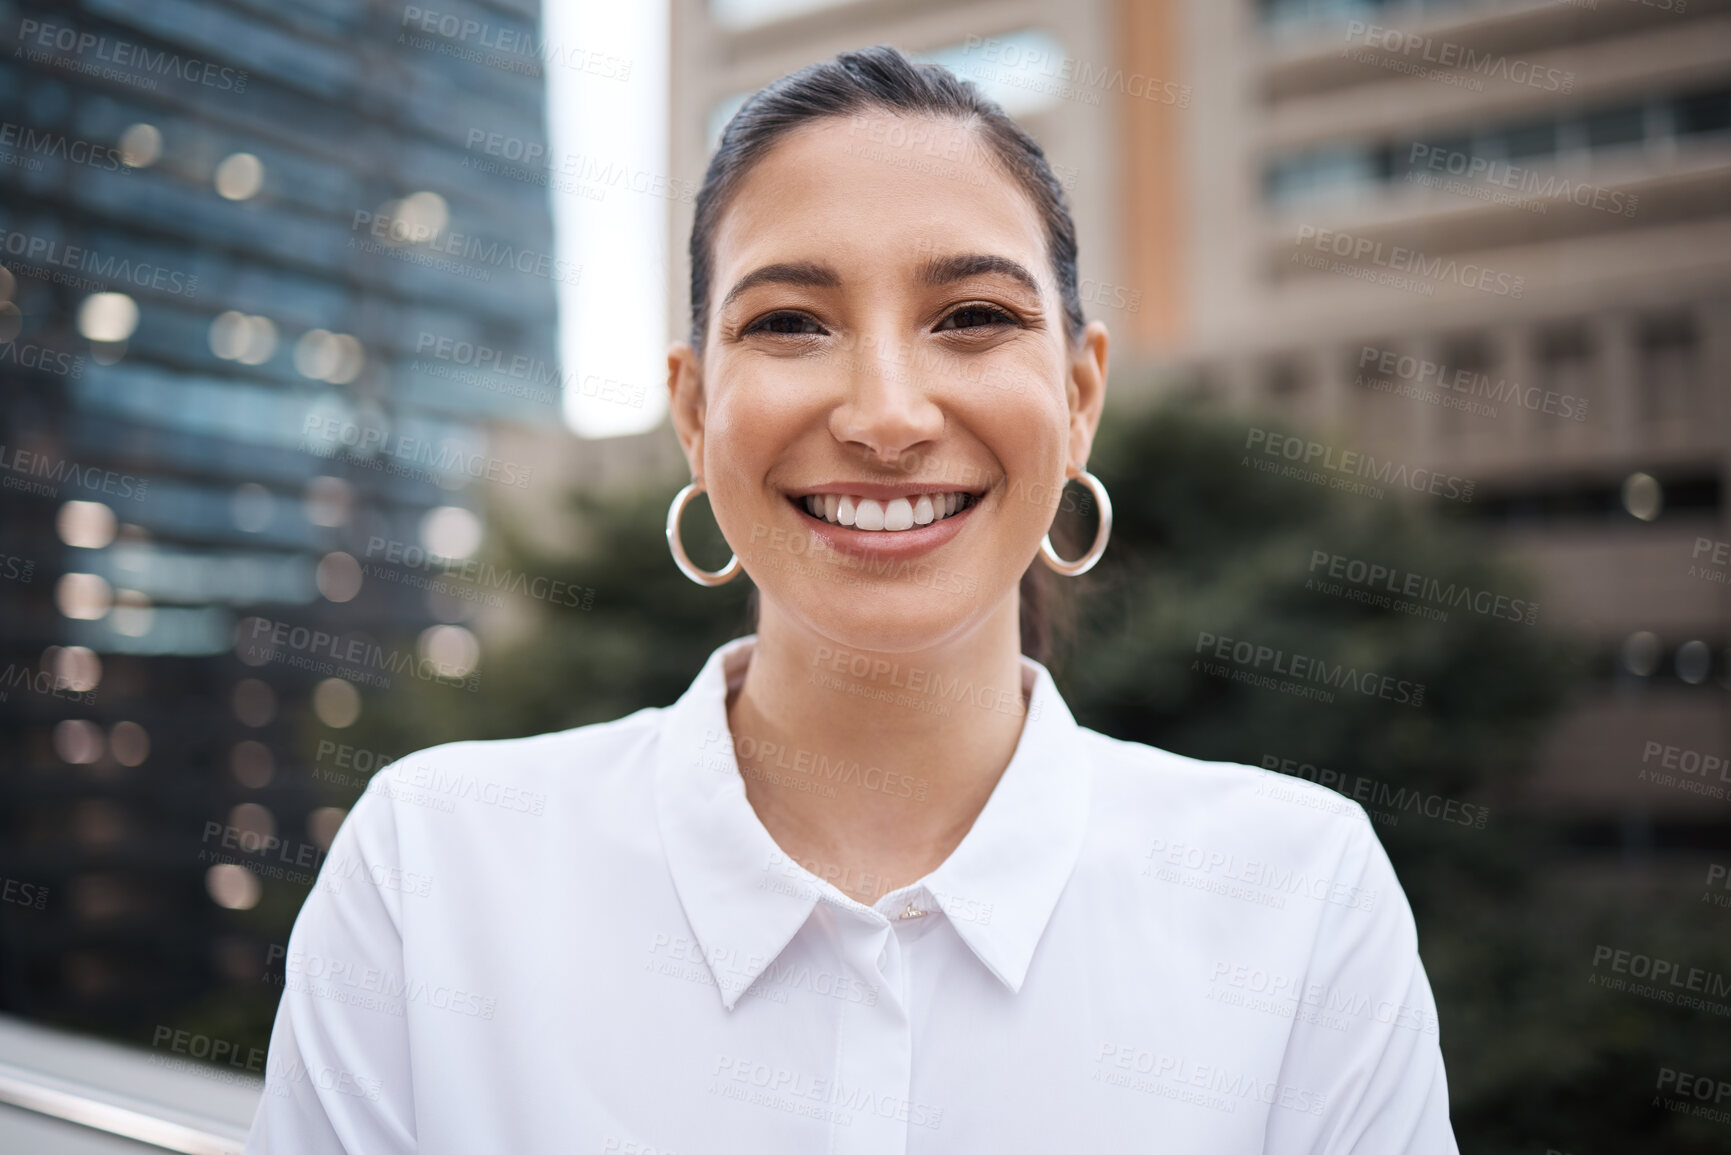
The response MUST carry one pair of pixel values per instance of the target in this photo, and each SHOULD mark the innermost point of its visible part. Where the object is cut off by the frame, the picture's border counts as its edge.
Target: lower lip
(884, 543)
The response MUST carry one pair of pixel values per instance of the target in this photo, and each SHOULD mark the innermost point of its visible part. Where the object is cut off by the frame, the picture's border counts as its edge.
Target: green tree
(1206, 544)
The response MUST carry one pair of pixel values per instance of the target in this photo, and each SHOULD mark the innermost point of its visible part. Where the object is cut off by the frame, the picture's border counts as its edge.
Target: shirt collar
(998, 887)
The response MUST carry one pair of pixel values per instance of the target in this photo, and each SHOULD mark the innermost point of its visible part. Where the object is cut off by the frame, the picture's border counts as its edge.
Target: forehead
(875, 190)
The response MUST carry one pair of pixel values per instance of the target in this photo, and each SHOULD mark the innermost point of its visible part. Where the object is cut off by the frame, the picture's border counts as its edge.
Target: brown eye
(976, 317)
(786, 324)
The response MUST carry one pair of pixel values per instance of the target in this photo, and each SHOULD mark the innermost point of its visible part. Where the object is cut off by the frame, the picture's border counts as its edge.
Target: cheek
(745, 432)
(758, 405)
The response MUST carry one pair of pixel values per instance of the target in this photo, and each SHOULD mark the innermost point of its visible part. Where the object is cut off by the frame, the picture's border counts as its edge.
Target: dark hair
(881, 78)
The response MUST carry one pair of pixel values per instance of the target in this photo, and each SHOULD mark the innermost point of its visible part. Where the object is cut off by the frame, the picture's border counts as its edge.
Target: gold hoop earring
(702, 577)
(1086, 562)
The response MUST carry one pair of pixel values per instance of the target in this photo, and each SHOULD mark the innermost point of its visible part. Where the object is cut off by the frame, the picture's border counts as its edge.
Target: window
(1667, 352)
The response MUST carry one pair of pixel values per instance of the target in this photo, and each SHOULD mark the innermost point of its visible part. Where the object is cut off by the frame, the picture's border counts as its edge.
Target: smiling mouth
(893, 516)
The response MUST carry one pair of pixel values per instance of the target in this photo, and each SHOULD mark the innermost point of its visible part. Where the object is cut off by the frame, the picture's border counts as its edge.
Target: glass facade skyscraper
(272, 272)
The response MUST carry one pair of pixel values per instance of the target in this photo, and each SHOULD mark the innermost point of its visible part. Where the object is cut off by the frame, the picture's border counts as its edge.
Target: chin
(893, 619)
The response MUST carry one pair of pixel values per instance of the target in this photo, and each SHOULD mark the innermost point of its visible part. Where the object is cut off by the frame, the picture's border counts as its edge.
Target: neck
(869, 767)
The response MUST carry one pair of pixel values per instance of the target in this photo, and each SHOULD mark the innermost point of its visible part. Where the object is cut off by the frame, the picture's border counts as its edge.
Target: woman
(867, 886)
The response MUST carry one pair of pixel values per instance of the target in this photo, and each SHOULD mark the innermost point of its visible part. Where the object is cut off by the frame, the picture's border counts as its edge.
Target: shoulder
(527, 775)
(1147, 793)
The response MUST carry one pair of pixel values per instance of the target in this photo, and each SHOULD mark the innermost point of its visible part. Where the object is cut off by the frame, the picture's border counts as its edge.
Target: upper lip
(874, 490)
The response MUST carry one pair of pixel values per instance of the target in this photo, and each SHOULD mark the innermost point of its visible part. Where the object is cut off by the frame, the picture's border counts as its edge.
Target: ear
(1086, 391)
(685, 402)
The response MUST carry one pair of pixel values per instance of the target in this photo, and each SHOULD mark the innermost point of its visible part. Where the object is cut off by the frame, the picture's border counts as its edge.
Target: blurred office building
(263, 292)
(1484, 242)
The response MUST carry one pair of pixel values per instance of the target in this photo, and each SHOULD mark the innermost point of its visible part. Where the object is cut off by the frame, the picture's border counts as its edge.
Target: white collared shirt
(587, 942)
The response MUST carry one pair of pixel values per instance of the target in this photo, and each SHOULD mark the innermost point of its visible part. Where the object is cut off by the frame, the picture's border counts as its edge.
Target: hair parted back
(883, 79)
(877, 79)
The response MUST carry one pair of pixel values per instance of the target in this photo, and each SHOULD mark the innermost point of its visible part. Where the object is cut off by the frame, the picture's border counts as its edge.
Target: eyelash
(998, 317)
(761, 324)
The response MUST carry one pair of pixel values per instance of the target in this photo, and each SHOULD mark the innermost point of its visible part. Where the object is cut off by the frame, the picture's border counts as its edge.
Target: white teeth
(897, 514)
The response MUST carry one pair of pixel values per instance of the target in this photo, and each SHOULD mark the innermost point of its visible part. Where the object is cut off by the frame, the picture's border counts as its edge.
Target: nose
(889, 407)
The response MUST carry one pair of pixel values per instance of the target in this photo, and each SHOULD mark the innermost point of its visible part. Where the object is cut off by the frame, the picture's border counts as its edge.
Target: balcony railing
(64, 1094)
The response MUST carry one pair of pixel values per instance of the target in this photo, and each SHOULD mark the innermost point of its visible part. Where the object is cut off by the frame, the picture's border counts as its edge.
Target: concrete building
(1489, 240)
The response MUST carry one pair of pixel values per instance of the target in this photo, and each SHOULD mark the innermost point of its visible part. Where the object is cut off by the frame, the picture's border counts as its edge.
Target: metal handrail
(19, 1088)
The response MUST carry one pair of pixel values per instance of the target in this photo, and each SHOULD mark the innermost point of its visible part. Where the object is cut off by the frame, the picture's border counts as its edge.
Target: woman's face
(886, 347)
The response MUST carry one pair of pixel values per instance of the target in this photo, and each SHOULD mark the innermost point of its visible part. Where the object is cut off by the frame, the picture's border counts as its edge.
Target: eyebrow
(936, 272)
(941, 271)
(807, 274)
